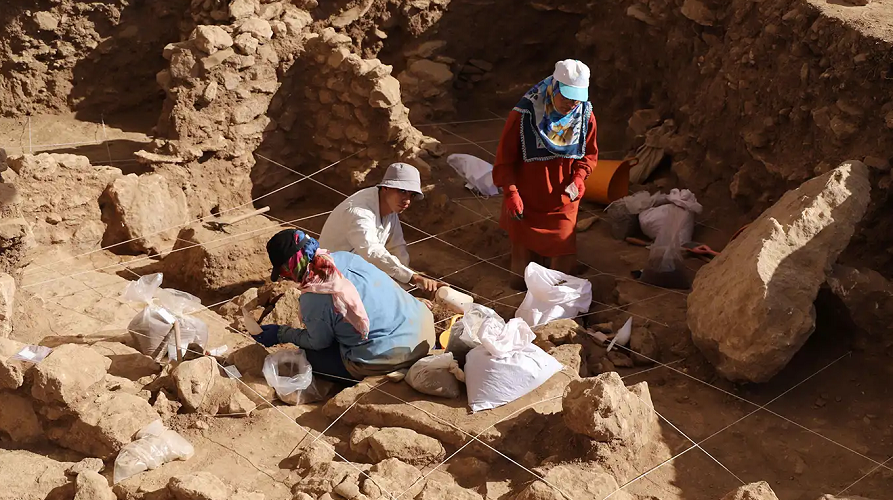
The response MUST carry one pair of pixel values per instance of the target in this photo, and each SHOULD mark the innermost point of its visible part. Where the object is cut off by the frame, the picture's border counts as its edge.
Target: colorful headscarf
(546, 133)
(315, 272)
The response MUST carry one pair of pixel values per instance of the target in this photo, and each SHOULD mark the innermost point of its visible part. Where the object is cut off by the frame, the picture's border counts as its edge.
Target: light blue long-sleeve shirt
(398, 322)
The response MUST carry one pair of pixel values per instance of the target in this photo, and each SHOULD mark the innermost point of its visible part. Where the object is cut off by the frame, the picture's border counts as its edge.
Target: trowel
(623, 335)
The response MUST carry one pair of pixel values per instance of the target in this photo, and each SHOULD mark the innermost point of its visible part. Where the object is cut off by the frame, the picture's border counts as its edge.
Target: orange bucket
(609, 180)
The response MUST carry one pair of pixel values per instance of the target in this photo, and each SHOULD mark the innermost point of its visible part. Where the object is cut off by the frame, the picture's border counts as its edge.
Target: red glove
(512, 203)
(577, 186)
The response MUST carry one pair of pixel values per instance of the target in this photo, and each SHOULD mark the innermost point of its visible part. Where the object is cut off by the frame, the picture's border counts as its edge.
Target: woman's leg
(521, 256)
(328, 365)
(564, 263)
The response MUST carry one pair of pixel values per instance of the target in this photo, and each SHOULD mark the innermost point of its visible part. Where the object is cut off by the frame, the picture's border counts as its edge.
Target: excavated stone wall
(61, 55)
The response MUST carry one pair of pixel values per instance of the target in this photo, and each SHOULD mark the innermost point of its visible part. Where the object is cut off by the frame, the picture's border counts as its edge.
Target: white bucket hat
(573, 79)
(403, 176)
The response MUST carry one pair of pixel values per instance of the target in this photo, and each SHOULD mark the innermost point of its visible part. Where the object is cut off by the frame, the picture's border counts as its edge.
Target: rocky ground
(131, 126)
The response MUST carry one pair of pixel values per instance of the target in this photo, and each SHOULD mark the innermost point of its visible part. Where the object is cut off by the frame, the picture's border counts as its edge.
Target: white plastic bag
(552, 295)
(493, 381)
(665, 267)
(290, 374)
(476, 171)
(669, 205)
(465, 334)
(514, 335)
(155, 446)
(434, 375)
(150, 327)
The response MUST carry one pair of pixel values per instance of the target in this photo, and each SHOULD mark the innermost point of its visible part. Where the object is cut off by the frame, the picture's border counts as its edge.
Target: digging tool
(221, 224)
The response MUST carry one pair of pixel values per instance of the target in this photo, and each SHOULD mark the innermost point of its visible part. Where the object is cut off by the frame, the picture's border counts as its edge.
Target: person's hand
(269, 336)
(426, 284)
(428, 303)
(512, 204)
(577, 187)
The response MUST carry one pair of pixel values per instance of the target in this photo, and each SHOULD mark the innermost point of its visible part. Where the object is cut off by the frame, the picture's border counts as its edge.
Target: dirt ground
(820, 426)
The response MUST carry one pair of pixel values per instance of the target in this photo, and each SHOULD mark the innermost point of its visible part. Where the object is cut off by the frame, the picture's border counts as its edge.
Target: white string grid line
(212, 217)
(468, 141)
(482, 120)
(701, 442)
(857, 481)
(879, 464)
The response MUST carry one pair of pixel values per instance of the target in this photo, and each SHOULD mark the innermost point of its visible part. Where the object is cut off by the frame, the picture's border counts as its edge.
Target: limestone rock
(643, 342)
(102, 425)
(240, 9)
(324, 477)
(430, 71)
(287, 310)
(257, 27)
(643, 120)
(90, 485)
(249, 359)
(18, 419)
(12, 372)
(392, 475)
(143, 213)
(437, 490)
(560, 331)
(604, 409)
(359, 438)
(698, 12)
(752, 491)
(69, 185)
(210, 39)
(127, 362)
(407, 445)
(46, 21)
(385, 93)
(246, 43)
(202, 388)
(29, 476)
(65, 375)
(257, 390)
(867, 295)
(577, 482)
(201, 268)
(86, 465)
(198, 486)
(751, 308)
(317, 453)
(7, 302)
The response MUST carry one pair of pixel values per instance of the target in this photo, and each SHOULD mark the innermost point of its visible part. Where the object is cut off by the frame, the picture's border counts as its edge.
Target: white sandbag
(653, 219)
(493, 381)
(465, 333)
(155, 446)
(552, 295)
(164, 306)
(434, 375)
(476, 171)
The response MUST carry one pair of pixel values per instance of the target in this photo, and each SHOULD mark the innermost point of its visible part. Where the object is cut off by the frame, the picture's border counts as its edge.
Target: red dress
(547, 228)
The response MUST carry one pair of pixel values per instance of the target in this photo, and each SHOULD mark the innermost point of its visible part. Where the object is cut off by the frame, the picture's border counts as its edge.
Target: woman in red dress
(547, 149)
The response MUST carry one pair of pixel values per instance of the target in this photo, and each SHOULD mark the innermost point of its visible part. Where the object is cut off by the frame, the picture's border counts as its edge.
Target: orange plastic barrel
(609, 181)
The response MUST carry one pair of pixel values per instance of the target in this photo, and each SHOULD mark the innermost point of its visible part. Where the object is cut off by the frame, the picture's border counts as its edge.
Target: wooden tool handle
(249, 214)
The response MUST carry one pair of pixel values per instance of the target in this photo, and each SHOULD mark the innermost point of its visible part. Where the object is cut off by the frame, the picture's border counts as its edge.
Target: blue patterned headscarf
(546, 133)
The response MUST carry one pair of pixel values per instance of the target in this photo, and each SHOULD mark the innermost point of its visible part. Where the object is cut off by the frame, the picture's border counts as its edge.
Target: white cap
(573, 77)
(403, 176)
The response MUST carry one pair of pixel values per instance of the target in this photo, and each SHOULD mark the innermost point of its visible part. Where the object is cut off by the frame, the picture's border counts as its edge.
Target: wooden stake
(177, 340)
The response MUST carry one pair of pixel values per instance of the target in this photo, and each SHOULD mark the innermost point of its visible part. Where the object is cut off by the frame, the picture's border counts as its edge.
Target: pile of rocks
(427, 81)
(334, 103)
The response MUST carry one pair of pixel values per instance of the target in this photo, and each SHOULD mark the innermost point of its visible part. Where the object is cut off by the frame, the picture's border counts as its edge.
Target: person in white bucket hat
(547, 150)
(367, 223)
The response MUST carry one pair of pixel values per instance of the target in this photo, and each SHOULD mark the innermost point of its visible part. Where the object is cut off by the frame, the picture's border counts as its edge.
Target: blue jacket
(396, 318)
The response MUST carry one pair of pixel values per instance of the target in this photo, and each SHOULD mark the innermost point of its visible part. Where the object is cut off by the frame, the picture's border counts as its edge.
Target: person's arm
(318, 314)
(582, 168)
(508, 159)
(397, 244)
(508, 154)
(362, 236)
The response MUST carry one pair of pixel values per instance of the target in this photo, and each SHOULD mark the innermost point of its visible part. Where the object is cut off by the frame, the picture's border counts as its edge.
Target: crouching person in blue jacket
(357, 321)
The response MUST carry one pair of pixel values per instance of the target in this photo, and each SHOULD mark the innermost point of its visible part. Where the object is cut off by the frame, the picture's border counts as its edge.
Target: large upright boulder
(143, 213)
(751, 308)
(206, 260)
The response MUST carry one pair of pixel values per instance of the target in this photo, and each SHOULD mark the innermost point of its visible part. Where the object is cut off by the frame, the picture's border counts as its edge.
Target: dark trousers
(328, 365)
